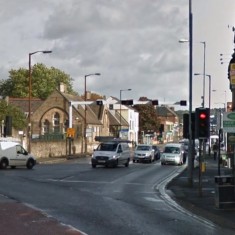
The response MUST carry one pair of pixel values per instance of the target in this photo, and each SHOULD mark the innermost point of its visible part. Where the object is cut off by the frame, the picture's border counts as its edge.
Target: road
(103, 200)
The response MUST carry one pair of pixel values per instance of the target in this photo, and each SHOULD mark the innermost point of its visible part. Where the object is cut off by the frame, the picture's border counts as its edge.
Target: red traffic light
(202, 123)
(203, 116)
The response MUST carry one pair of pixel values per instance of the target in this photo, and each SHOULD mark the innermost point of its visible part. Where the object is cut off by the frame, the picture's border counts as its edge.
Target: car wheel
(162, 163)
(13, 167)
(30, 164)
(93, 165)
(127, 163)
(3, 164)
(115, 164)
(133, 161)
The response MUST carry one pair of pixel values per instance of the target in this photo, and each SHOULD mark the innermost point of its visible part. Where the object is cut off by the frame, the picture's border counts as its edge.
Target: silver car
(144, 152)
(172, 154)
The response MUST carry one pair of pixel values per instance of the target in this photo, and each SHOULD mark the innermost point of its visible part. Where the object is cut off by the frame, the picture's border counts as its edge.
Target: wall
(42, 149)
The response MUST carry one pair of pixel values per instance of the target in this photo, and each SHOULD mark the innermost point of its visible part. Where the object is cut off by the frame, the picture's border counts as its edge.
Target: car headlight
(115, 156)
(177, 158)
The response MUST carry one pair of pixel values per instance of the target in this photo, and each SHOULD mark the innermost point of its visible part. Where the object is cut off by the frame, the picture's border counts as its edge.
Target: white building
(128, 119)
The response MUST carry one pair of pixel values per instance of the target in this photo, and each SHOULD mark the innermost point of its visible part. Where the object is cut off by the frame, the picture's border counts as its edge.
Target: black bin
(224, 192)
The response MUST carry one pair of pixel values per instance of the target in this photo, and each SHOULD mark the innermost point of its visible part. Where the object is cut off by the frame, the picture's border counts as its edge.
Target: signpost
(229, 122)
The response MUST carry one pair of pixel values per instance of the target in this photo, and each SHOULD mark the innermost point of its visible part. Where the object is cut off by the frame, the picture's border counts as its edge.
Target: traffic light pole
(190, 156)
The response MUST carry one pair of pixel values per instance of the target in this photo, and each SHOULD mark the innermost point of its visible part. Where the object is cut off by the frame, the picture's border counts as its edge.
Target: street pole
(191, 152)
(30, 96)
(190, 148)
(85, 114)
(209, 76)
(204, 73)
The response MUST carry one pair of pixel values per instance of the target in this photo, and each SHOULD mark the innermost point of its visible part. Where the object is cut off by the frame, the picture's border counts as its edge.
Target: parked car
(111, 153)
(173, 153)
(13, 154)
(157, 152)
(144, 152)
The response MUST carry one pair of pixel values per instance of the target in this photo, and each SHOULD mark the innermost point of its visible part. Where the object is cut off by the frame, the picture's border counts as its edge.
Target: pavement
(19, 218)
(206, 199)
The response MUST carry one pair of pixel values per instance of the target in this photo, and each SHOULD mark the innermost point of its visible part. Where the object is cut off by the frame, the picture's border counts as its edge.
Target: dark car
(156, 152)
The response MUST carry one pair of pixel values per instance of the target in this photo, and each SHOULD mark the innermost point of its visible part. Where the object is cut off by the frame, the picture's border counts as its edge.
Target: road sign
(70, 132)
(229, 122)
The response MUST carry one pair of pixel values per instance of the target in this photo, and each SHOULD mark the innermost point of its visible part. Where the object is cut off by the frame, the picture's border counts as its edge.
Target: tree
(148, 120)
(44, 81)
(18, 117)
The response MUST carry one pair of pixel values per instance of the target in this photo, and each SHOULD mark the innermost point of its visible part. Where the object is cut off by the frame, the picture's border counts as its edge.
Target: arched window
(46, 129)
(56, 123)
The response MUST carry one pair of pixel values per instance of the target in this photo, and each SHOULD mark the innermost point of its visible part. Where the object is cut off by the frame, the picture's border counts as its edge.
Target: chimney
(63, 88)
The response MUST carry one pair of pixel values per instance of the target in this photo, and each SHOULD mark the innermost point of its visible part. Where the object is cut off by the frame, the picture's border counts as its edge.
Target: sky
(133, 44)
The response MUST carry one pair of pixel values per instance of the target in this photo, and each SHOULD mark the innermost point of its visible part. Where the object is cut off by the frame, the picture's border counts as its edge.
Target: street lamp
(85, 119)
(190, 41)
(204, 66)
(121, 109)
(209, 77)
(30, 95)
(204, 72)
(225, 98)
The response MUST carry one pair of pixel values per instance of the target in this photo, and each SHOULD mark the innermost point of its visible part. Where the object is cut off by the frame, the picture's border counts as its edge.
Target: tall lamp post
(121, 109)
(30, 95)
(209, 77)
(85, 118)
(225, 98)
(190, 41)
(204, 72)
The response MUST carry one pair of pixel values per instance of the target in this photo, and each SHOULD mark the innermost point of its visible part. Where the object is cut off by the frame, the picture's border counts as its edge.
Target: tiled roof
(114, 119)
(23, 103)
(91, 115)
(165, 111)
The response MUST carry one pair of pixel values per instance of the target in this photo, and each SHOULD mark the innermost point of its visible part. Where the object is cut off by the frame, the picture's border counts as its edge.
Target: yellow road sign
(70, 132)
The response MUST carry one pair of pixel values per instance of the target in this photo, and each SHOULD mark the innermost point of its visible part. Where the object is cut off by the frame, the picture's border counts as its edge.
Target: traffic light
(99, 102)
(183, 103)
(202, 120)
(154, 102)
(127, 102)
(186, 125)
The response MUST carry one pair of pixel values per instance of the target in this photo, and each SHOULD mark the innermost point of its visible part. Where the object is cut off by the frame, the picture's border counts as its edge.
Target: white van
(173, 153)
(112, 153)
(13, 154)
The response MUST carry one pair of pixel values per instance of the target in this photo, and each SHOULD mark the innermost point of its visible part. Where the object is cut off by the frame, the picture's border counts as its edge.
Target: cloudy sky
(132, 43)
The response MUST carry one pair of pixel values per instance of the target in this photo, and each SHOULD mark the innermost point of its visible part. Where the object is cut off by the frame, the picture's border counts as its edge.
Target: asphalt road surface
(103, 200)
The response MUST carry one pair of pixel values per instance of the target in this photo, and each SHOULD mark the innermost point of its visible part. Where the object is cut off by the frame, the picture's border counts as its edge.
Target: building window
(56, 123)
(45, 127)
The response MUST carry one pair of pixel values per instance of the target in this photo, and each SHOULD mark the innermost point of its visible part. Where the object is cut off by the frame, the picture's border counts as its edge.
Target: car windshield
(107, 147)
(171, 149)
(143, 148)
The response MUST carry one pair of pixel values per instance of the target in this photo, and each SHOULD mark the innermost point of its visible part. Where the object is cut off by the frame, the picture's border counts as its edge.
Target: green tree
(148, 120)
(44, 81)
(18, 117)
